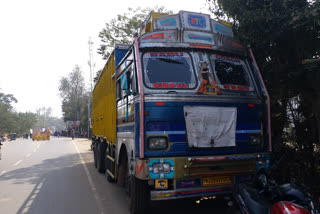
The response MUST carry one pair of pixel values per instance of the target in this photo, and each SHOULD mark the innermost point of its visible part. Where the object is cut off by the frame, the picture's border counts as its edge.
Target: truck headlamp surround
(262, 162)
(157, 143)
(161, 168)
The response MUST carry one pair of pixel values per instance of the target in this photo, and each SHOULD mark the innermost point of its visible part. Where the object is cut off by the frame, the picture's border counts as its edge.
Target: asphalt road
(58, 177)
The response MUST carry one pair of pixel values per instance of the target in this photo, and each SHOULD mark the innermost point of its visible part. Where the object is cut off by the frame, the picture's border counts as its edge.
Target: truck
(182, 112)
(40, 135)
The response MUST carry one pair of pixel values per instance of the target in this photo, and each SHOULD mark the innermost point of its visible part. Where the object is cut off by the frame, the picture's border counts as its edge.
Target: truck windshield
(168, 70)
(231, 73)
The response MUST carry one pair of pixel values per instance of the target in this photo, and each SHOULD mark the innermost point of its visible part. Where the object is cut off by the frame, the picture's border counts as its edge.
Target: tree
(74, 97)
(120, 29)
(7, 119)
(95, 79)
(43, 115)
(7, 99)
(46, 120)
(57, 123)
(11, 121)
(283, 34)
(7, 116)
(25, 121)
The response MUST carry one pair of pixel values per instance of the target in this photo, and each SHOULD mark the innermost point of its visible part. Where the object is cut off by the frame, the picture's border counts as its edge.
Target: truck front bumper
(189, 193)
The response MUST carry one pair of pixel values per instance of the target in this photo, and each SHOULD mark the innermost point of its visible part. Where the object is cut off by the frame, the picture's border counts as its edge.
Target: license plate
(161, 184)
(212, 181)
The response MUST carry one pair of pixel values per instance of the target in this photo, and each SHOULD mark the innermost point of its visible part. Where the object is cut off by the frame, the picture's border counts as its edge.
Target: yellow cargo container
(104, 104)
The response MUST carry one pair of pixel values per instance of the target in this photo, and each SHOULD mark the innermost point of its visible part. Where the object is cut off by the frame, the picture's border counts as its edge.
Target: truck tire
(100, 157)
(139, 196)
(95, 153)
(109, 178)
(124, 178)
(123, 171)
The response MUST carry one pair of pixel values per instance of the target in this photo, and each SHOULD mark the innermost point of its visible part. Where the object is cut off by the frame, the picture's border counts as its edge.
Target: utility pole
(91, 65)
(90, 62)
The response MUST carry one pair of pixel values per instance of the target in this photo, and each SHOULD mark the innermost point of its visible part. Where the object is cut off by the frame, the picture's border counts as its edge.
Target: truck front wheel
(139, 196)
(123, 171)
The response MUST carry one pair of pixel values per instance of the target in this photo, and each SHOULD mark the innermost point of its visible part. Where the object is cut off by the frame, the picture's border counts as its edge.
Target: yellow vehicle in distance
(41, 135)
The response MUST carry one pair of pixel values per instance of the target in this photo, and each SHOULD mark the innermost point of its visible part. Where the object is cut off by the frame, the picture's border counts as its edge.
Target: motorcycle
(25, 136)
(268, 197)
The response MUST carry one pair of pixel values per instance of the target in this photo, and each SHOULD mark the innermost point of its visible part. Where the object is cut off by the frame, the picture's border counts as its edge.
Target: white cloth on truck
(209, 126)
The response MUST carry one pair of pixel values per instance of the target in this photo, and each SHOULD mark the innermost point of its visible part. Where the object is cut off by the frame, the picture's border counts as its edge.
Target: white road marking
(28, 155)
(17, 163)
(2, 173)
(92, 186)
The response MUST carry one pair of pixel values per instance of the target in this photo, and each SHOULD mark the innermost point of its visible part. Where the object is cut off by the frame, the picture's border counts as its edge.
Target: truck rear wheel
(109, 178)
(139, 196)
(95, 148)
(100, 157)
(109, 164)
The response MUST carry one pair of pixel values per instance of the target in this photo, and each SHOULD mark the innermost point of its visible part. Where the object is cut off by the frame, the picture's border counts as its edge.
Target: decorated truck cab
(182, 112)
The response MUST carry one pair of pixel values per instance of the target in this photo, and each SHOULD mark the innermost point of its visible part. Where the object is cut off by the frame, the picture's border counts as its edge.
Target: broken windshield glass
(231, 73)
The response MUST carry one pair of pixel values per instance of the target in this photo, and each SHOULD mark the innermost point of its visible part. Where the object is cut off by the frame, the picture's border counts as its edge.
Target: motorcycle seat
(255, 201)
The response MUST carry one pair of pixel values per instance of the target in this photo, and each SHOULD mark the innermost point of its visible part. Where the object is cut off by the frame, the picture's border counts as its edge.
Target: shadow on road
(35, 172)
(61, 186)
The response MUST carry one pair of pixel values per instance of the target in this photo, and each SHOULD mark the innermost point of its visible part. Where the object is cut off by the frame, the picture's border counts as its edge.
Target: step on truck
(181, 112)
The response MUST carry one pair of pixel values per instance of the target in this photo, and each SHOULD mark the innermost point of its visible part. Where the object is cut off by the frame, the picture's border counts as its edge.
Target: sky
(41, 41)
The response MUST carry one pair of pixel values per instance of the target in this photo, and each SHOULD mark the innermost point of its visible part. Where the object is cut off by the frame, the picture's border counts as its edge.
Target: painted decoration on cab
(209, 89)
(157, 36)
(236, 44)
(166, 54)
(139, 169)
(168, 22)
(197, 21)
(227, 59)
(223, 30)
(188, 183)
(200, 37)
(170, 85)
(236, 87)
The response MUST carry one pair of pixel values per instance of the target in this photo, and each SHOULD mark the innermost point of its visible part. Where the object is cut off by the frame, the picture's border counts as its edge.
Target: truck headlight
(161, 168)
(157, 143)
(255, 139)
